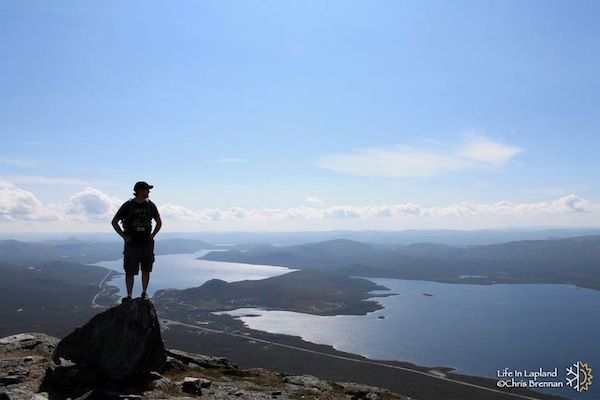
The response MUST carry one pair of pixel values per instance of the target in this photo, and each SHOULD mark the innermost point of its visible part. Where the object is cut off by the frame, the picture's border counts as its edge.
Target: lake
(476, 329)
(182, 271)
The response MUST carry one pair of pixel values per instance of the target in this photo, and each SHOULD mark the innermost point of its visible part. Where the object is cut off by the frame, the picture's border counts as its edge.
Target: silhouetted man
(137, 215)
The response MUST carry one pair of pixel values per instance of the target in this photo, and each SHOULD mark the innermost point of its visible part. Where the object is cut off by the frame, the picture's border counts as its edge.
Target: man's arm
(117, 227)
(157, 226)
(156, 217)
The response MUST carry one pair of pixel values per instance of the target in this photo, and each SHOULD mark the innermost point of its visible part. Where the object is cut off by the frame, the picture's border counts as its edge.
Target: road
(166, 322)
(100, 286)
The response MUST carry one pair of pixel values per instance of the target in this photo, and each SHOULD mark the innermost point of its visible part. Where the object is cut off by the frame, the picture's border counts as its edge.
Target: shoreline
(201, 331)
(243, 350)
(227, 336)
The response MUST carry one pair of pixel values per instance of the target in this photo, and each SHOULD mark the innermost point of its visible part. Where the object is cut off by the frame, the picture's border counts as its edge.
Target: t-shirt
(138, 219)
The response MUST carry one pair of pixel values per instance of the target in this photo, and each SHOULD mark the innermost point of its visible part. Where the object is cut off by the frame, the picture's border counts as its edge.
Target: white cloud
(181, 213)
(93, 208)
(91, 204)
(571, 204)
(23, 206)
(407, 161)
(398, 161)
(488, 151)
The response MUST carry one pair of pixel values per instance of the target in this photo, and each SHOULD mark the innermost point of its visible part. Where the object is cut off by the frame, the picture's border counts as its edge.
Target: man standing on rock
(137, 215)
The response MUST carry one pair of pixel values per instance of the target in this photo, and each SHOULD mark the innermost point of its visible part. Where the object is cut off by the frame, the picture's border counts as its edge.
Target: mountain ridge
(561, 261)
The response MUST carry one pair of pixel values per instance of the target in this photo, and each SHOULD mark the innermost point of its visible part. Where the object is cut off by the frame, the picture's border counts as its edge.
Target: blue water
(182, 271)
(475, 329)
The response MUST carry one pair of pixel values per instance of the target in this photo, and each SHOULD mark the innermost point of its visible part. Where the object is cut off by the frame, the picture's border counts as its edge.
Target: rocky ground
(27, 371)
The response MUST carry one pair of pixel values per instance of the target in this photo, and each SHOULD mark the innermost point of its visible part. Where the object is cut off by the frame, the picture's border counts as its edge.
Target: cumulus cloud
(21, 205)
(92, 204)
(180, 213)
(407, 161)
(571, 204)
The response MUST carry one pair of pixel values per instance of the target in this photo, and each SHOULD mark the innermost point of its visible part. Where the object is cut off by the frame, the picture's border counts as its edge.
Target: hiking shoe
(125, 299)
(144, 296)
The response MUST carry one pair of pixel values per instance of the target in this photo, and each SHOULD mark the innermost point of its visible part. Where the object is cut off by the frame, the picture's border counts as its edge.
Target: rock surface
(119, 354)
(26, 355)
(307, 381)
(120, 342)
(201, 360)
(35, 342)
(186, 377)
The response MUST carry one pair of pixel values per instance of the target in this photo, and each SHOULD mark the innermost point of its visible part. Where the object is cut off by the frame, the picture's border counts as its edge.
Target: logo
(579, 376)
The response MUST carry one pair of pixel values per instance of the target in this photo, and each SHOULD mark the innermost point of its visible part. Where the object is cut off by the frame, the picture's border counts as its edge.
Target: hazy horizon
(389, 237)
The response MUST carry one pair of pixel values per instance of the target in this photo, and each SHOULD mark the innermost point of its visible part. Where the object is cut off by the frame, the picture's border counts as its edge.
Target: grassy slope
(51, 297)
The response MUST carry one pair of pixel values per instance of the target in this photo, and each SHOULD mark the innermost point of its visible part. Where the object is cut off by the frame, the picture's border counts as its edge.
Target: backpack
(129, 219)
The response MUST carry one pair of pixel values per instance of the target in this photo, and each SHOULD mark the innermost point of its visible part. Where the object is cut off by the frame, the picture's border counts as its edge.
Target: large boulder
(120, 342)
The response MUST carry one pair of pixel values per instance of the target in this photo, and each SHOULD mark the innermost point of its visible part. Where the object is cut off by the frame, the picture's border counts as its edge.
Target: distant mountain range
(405, 237)
(86, 252)
(570, 261)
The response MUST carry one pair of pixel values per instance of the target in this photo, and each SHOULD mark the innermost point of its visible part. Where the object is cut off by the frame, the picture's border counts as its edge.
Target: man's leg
(147, 261)
(129, 283)
(145, 280)
(131, 267)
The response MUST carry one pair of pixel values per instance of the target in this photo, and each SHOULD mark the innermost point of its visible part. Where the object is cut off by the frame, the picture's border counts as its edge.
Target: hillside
(314, 292)
(51, 297)
(74, 250)
(567, 261)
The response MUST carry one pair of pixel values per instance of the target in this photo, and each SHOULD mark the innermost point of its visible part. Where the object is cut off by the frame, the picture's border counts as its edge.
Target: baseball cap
(142, 185)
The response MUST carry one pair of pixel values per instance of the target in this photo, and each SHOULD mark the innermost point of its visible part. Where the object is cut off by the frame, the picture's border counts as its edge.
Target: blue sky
(334, 107)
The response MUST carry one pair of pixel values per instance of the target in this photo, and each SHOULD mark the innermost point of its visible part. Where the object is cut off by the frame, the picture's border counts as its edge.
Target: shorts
(135, 255)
